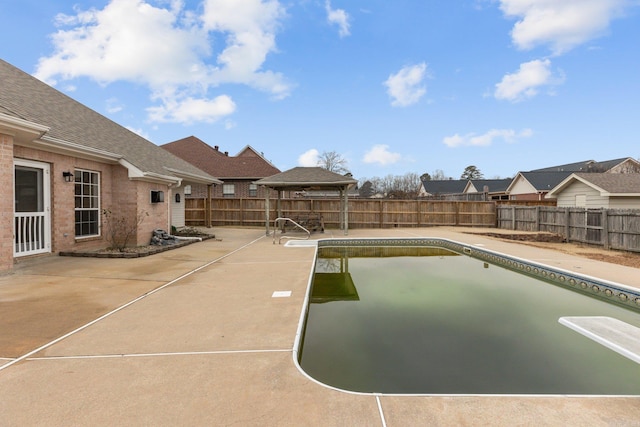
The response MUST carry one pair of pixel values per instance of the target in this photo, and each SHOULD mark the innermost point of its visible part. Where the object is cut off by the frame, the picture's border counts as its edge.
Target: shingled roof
(586, 166)
(247, 164)
(493, 185)
(307, 178)
(608, 184)
(75, 129)
(544, 181)
(444, 186)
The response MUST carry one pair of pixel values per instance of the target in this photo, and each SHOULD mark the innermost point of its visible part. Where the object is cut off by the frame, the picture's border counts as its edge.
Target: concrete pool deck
(197, 338)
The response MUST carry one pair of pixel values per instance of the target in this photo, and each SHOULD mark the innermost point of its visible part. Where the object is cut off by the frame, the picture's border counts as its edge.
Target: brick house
(63, 164)
(238, 172)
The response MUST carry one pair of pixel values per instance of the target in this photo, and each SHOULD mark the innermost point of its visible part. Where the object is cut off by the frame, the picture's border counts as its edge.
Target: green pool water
(436, 322)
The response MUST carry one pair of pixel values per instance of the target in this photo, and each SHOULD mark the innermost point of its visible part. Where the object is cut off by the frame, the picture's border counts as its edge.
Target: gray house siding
(624, 203)
(592, 197)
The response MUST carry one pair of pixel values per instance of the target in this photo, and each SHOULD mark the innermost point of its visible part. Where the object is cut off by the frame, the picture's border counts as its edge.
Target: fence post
(605, 227)
(537, 218)
(566, 224)
(513, 217)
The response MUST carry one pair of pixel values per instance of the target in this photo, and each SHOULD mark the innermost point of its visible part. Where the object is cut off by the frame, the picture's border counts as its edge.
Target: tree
(334, 162)
(405, 186)
(366, 189)
(438, 175)
(471, 172)
(425, 177)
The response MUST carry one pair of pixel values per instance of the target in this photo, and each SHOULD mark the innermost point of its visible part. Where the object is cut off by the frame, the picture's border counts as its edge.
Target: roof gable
(539, 181)
(607, 184)
(492, 185)
(248, 164)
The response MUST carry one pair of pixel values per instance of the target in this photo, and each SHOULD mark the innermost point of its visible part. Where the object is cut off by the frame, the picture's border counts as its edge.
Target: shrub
(120, 228)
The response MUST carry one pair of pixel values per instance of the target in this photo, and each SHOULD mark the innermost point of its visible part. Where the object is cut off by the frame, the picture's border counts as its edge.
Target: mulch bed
(138, 251)
(528, 237)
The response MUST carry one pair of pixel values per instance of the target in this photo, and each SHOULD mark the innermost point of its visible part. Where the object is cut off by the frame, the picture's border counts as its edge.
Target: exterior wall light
(68, 176)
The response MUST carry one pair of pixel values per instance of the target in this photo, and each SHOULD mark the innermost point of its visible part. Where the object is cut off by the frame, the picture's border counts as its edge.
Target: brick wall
(117, 192)
(241, 190)
(158, 213)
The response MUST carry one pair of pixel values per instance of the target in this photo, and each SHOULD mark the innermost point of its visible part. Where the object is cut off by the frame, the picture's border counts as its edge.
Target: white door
(32, 216)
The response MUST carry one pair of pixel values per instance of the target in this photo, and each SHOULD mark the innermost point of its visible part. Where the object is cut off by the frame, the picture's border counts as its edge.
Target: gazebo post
(267, 208)
(207, 213)
(346, 210)
(302, 178)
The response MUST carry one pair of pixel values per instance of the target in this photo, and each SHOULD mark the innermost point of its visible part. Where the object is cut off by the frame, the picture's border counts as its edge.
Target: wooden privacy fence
(363, 213)
(611, 228)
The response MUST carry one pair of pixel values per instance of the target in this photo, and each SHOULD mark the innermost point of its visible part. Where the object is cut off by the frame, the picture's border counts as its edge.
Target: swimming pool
(433, 316)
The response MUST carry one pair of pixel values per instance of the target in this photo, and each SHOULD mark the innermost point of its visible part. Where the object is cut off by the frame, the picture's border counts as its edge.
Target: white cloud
(561, 24)
(190, 110)
(309, 158)
(113, 106)
(229, 124)
(471, 139)
(170, 50)
(380, 154)
(526, 82)
(139, 132)
(405, 87)
(250, 27)
(338, 17)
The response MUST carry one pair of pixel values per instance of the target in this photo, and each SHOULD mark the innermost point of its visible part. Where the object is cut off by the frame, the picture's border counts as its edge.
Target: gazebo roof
(306, 178)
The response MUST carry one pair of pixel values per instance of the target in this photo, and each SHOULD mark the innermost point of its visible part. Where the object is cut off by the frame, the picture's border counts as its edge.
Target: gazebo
(308, 179)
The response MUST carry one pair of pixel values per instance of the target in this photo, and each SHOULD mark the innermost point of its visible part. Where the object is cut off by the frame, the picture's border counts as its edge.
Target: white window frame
(253, 190)
(79, 184)
(228, 190)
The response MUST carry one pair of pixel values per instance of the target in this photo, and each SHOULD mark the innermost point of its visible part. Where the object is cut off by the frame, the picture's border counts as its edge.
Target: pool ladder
(284, 221)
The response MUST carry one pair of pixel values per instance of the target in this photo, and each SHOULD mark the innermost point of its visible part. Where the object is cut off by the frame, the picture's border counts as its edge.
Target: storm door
(32, 219)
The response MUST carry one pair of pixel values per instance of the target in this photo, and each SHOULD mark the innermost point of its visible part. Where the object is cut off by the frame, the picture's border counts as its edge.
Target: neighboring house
(598, 190)
(495, 189)
(238, 172)
(534, 185)
(63, 164)
(622, 165)
(442, 188)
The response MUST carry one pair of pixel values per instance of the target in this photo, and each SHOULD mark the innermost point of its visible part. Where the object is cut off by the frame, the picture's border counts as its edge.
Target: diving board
(614, 334)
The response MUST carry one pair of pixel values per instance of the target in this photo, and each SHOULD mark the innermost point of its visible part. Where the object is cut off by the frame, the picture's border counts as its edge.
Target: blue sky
(394, 87)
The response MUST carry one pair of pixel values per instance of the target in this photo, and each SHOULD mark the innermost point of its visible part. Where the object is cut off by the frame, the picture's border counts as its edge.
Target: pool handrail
(283, 219)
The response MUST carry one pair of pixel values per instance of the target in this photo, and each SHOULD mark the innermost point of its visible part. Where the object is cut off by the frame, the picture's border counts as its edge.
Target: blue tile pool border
(604, 290)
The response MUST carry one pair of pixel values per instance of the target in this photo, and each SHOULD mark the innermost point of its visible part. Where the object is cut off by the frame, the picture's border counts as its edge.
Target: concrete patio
(194, 336)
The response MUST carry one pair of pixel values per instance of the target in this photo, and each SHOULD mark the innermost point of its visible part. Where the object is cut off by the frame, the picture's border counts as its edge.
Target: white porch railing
(30, 234)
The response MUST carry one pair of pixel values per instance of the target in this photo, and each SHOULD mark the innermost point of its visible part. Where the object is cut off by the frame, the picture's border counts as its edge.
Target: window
(253, 190)
(228, 190)
(87, 197)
